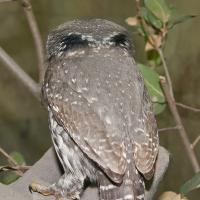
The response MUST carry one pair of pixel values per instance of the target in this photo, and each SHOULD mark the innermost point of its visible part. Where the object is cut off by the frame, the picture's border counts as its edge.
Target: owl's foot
(67, 188)
(42, 189)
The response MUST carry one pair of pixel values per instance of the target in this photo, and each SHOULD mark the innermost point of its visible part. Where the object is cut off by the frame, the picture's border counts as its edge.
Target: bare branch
(168, 78)
(5, 1)
(175, 128)
(187, 107)
(3, 152)
(137, 3)
(195, 142)
(19, 168)
(14, 163)
(19, 73)
(172, 105)
(36, 35)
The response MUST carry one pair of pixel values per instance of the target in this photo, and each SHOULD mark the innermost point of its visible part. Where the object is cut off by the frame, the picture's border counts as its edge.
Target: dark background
(23, 120)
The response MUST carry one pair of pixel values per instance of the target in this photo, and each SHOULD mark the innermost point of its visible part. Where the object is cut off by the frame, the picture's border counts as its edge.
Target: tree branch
(172, 105)
(18, 168)
(14, 163)
(36, 36)
(187, 107)
(168, 78)
(8, 156)
(195, 142)
(5, 1)
(137, 3)
(20, 73)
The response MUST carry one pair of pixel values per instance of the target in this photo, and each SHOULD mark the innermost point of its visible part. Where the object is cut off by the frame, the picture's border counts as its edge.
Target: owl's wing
(145, 152)
(73, 111)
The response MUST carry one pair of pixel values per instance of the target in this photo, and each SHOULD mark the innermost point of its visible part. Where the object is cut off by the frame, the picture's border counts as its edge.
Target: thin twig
(14, 163)
(172, 105)
(175, 128)
(21, 168)
(5, 1)
(169, 94)
(19, 73)
(3, 152)
(168, 77)
(187, 107)
(137, 7)
(195, 142)
(36, 36)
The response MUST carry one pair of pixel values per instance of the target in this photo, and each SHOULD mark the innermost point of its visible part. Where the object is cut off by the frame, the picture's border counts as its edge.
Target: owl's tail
(132, 187)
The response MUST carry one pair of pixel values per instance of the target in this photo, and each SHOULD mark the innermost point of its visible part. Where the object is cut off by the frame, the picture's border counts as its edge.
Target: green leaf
(9, 177)
(150, 18)
(152, 82)
(18, 157)
(158, 107)
(192, 184)
(159, 8)
(179, 20)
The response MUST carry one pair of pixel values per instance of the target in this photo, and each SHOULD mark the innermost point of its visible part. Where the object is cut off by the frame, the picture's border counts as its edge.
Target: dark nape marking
(72, 41)
(121, 40)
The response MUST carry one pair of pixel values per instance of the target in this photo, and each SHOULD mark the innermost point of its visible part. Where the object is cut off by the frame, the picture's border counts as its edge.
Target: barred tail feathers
(132, 187)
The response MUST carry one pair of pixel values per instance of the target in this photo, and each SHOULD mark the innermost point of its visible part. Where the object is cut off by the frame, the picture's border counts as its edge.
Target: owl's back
(96, 93)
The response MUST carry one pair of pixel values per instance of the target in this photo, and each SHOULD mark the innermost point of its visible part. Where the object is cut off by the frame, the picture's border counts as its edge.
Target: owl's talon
(42, 189)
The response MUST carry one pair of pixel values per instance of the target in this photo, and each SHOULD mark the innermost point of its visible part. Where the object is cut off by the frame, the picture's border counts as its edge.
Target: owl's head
(94, 33)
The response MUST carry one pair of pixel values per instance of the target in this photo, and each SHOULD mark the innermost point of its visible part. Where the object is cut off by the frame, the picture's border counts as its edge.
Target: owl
(100, 114)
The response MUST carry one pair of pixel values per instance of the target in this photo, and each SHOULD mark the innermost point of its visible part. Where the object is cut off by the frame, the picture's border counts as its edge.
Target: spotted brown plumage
(101, 119)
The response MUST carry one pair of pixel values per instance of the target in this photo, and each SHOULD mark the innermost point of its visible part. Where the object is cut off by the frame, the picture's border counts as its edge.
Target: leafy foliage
(190, 185)
(18, 157)
(155, 20)
(152, 82)
(150, 18)
(178, 20)
(9, 174)
(9, 177)
(159, 9)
